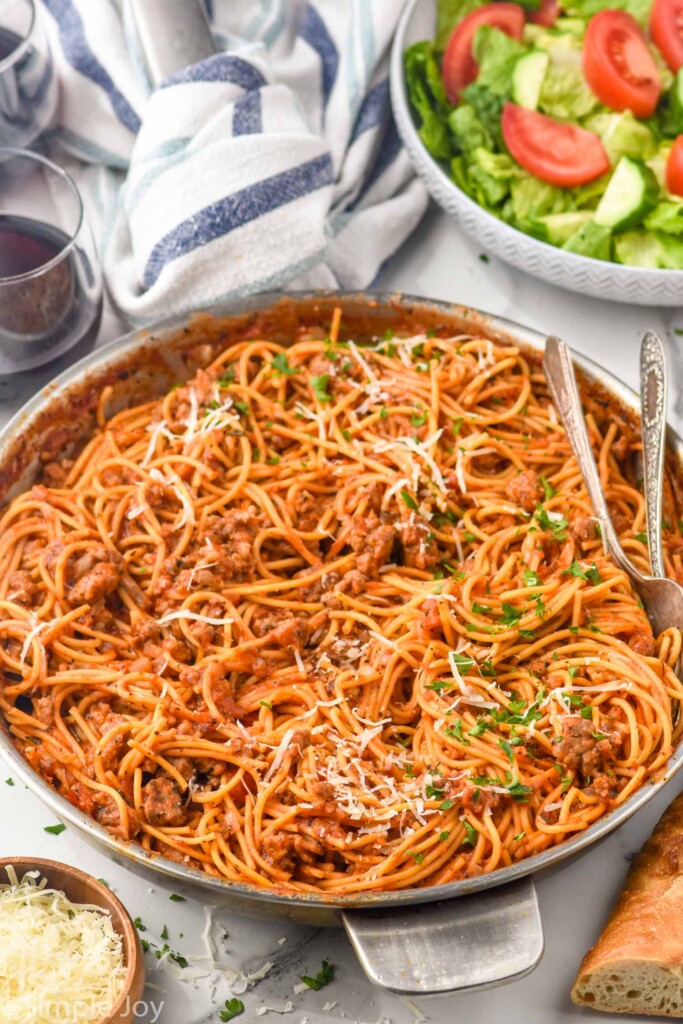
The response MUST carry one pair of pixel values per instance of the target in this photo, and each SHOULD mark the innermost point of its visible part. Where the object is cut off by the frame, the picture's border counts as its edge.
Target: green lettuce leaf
(489, 108)
(591, 239)
(639, 9)
(498, 165)
(468, 129)
(428, 99)
(622, 135)
(496, 54)
(666, 217)
(565, 93)
(652, 249)
(532, 199)
(448, 14)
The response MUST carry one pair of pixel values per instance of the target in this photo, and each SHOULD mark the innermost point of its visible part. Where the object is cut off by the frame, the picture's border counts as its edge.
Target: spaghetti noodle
(336, 617)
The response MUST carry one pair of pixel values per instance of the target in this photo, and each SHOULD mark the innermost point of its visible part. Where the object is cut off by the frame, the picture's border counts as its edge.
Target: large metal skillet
(465, 934)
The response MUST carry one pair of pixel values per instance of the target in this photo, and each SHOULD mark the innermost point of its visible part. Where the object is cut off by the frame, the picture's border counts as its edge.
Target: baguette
(636, 966)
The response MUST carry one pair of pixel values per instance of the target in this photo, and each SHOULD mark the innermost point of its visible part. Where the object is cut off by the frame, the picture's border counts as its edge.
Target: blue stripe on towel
(80, 56)
(246, 117)
(389, 148)
(314, 31)
(235, 210)
(374, 110)
(220, 67)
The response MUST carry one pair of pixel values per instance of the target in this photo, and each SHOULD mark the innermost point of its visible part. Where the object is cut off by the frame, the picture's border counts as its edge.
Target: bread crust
(645, 929)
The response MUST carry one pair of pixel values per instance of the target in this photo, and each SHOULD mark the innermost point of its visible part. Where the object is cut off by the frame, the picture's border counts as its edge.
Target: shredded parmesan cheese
(58, 960)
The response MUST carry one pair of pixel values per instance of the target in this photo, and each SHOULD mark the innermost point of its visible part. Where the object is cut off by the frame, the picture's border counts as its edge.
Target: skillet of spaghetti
(335, 618)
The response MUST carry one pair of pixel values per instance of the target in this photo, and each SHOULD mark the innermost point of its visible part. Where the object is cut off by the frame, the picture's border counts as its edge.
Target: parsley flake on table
(233, 1008)
(322, 978)
(54, 830)
(176, 898)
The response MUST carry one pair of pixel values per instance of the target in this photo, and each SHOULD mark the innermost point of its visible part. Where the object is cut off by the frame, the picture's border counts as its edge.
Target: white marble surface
(438, 262)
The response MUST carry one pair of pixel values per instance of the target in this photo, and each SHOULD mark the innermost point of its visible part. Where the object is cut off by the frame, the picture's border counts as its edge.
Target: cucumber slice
(631, 193)
(560, 227)
(527, 78)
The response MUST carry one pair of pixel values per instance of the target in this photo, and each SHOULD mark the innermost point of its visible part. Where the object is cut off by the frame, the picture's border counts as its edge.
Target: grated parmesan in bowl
(58, 960)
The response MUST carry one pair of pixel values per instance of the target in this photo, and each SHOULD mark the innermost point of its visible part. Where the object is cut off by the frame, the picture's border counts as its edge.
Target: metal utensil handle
(653, 427)
(173, 34)
(562, 383)
(469, 942)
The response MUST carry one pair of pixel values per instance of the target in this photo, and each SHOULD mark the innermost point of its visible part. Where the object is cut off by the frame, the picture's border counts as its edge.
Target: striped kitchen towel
(274, 163)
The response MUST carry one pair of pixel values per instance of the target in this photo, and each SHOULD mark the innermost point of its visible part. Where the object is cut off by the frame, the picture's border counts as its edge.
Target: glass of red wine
(50, 275)
(28, 84)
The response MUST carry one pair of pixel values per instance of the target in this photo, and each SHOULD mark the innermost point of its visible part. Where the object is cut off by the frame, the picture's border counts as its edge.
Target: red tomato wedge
(674, 168)
(459, 67)
(666, 29)
(547, 14)
(618, 66)
(559, 153)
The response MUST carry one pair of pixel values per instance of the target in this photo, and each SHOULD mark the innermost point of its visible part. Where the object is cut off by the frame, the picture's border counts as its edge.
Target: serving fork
(662, 597)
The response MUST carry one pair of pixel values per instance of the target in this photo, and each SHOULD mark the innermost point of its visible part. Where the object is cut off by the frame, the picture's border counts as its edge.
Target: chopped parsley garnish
(346, 434)
(443, 835)
(54, 830)
(409, 500)
(473, 627)
(462, 661)
(176, 898)
(455, 732)
(319, 385)
(573, 669)
(530, 579)
(511, 615)
(480, 728)
(480, 609)
(528, 634)
(322, 978)
(164, 933)
(145, 945)
(417, 857)
(469, 536)
(383, 413)
(419, 419)
(487, 669)
(137, 923)
(227, 378)
(9, 782)
(177, 958)
(505, 744)
(642, 537)
(520, 835)
(598, 735)
(282, 366)
(457, 426)
(440, 684)
(242, 407)
(266, 704)
(446, 805)
(471, 834)
(557, 528)
(433, 792)
(576, 570)
(233, 1008)
(273, 460)
(550, 491)
(586, 712)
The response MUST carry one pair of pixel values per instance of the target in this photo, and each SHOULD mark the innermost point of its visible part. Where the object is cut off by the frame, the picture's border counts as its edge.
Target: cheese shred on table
(58, 960)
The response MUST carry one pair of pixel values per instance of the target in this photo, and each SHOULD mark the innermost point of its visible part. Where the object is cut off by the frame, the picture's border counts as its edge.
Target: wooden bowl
(82, 888)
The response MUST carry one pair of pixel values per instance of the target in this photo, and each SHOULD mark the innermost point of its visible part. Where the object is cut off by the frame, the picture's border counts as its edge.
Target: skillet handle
(470, 942)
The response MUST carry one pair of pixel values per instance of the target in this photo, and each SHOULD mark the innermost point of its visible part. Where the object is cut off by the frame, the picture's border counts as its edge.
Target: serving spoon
(662, 597)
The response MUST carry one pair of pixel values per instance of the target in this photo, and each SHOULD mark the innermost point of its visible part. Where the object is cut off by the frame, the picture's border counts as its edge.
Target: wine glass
(28, 84)
(50, 276)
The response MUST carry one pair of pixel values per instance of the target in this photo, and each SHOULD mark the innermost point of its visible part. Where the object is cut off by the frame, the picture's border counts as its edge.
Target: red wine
(51, 313)
(26, 245)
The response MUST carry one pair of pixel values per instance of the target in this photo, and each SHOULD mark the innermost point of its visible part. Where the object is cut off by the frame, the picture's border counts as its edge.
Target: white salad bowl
(583, 274)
